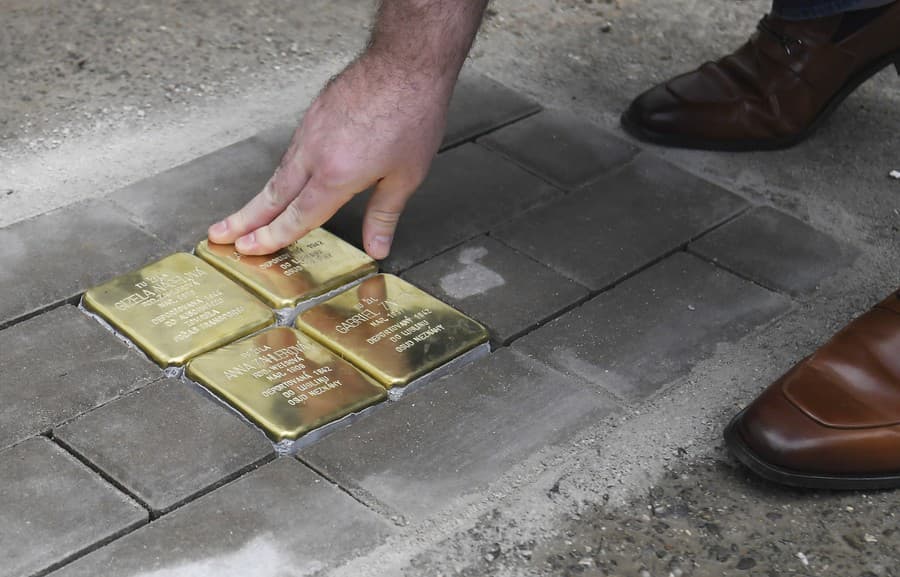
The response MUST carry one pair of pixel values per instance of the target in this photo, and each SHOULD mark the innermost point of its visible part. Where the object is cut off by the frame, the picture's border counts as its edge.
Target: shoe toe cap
(784, 436)
(656, 110)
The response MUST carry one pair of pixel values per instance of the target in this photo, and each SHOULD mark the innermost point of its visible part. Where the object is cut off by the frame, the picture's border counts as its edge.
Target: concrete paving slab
(479, 188)
(166, 443)
(776, 250)
(459, 434)
(480, 105)
(59, 365)
(562, 148)
(52, 508)
(55, 256)
(651, 329)
(179, 205)
(504, 290)
(281, 519)
(619, 224)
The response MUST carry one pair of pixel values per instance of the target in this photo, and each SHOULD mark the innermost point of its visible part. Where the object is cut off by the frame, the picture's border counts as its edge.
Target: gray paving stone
(561, 147)
(619, 224)
(179, 205)
(506, 291)
(459, 434)
(776, 250)
(165, 443)
(480, 105)
(52, 507)
(55, 256)
(653, 328)
(469, 190)
(59, 365)
(279, 520)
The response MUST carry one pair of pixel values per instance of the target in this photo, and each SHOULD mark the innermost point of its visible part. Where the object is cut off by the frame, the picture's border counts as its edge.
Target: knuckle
(272, 192)
(334, 173)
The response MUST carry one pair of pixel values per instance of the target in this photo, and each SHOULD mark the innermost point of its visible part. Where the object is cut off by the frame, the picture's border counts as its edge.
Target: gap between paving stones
(532, 212)
(38, 312)
(49, 434)
(358, 494)
(156, 514)
(90, 549)
(542, 203)
(593, 294)
(487, 131)
(603, 151)
(98, 471)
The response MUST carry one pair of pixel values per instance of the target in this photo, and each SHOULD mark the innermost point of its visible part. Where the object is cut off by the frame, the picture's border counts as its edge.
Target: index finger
(284, 185)
(311, 208)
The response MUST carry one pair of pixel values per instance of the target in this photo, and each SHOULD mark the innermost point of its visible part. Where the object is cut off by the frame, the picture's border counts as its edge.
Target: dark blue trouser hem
(797, 10)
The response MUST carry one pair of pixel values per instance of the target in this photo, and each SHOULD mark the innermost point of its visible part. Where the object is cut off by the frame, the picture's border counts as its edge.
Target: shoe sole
(636, 130)
(783, 476)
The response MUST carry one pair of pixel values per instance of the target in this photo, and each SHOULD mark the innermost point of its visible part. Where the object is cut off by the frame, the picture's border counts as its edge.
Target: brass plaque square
(314, 265)
(391, 329)
(177, 308)
(285, 382)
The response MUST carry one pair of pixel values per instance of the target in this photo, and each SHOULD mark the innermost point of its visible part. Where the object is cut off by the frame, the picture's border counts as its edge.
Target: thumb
(382, 215)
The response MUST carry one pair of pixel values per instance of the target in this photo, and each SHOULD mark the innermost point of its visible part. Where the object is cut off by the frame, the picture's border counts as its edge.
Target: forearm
(425, 39)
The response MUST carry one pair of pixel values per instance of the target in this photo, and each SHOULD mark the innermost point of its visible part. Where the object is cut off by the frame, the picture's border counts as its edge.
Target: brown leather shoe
(833, 421)
(773, 92)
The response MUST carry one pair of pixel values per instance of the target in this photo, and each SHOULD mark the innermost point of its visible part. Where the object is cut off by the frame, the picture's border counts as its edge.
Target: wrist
(382, 68)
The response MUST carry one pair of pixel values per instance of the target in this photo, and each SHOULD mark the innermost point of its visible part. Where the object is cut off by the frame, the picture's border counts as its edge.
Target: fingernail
(220, 227)
(248, 240)
(381, 245)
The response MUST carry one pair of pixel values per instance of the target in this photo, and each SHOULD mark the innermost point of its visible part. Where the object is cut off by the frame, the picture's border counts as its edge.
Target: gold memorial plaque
(285, 382)
(314, 265)
(177, 308)
(391, 329)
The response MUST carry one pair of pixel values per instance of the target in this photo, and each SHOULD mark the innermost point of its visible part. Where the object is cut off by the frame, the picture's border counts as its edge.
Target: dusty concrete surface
(99, 94)
(711, 517)
(195, 76)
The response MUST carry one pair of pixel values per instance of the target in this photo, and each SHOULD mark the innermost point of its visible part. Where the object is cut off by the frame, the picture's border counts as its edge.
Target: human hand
(371, 125)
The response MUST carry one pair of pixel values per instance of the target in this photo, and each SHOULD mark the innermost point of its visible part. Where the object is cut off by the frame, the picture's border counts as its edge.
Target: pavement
(636, 297)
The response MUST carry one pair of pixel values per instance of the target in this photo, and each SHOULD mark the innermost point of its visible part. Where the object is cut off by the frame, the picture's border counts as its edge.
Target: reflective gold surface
(314, 265)
(285, 382)
(177, 308)
(391, 329)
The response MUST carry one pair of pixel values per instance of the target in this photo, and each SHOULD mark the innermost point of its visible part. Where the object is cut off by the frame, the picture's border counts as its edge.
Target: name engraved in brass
(285, 382)
(177, 308)
(317, 263)
(391, 329)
